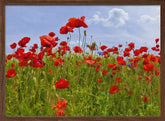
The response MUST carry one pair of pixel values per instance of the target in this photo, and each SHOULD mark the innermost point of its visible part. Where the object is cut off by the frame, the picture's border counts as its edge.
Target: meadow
(53, 79)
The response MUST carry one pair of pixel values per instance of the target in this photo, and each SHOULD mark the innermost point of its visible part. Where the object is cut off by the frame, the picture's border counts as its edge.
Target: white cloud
(116, 17)
(73, 43)
(149, 19)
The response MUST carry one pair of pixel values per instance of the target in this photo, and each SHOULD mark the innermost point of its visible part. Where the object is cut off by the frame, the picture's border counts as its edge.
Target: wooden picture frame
(79, 2)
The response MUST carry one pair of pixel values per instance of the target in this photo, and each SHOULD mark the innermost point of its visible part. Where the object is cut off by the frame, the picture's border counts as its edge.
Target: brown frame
(79, 2)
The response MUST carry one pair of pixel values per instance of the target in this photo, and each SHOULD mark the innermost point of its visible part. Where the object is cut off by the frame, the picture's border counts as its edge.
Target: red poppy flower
(139, 77)
(152, 58)
(110, 50)
(58, 62)
(127, 49)
(131, 45)
(145, 99)
(153, 48)
(65, 29)
(9, 57)
(114, 89)
(105, 52)
(126, 53)
(146, 61)
(120, 45)
(157, 49)
(23, 63)
(63, 43)
(157, 46)
(35, 46)
(47, 41)
(147, 78)
(37, 63)
(118, 79)
(24, 41)
(77, 49)
(113, 73)
(116, 68)
(149, 67)
(143, 49)
(11, 73)
(61, 105)
(129, 92)
(56, 38)
(104, 72)
(156, 72)
(121, 62)
(75, 23)
(157, 40)
(115, 49)
(111, 65)
(13, 45)
(12, 65)
(61, 84)
(137, 52)
(144, 55)
(52, 34)
(103, 47)
(119, 58)
(99, 80)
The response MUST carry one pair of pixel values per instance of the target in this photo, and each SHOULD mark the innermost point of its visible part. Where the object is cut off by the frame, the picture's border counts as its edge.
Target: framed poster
(82, 60)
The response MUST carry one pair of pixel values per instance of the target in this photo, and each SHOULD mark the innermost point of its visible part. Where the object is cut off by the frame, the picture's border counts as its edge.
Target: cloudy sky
(110, 25)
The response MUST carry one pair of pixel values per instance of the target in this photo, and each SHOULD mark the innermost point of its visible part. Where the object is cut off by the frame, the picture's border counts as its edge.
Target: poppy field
(54, 79)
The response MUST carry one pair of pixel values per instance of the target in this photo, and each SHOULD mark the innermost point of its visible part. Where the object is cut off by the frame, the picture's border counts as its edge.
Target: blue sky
(110, 25)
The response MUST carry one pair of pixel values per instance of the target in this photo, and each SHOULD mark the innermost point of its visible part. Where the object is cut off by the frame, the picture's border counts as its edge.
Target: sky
(109, 25)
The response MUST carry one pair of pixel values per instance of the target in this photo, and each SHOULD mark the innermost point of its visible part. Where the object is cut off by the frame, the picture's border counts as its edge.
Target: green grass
(36, 92)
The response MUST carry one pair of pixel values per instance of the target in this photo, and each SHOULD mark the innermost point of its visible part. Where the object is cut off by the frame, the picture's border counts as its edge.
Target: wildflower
(131, 45)
(12, 65)
(129, 65)
(118, 79)
(13, 45)
(137, 52)
(52, 34)
(9, 56)
(147, 77)
(77, 49)
(157, 40)
(49, 71)
(56, 39)
(104, 72)
(103, 47)
(143, 49)
(11, 73)
(61, 84)
(23, 63)
(61, 105)
(100, 53)
(63, 43)
(37, 63)
(77, 22)
(58, 62)
(114, 89)
(24, 41)
(120, 45)
(145, 99)
(111, 65)
(99, 80)
(65, 29)
(157, 46)
(47, 41)
(153, 48)
(152, 58)
(129, 92)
